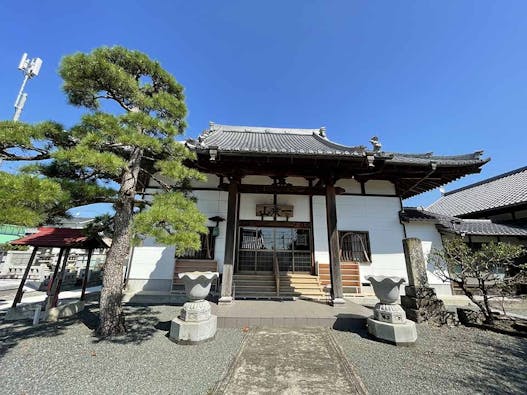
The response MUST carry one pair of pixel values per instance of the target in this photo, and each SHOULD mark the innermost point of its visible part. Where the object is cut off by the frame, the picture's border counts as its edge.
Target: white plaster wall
(152, 268)
(430, 238)
(212, 181)
(248, 202)
(320, 230)
(297, 181)
(265, 180)
(380, 187)
(349, 185)
(379, 217)
(257, 180)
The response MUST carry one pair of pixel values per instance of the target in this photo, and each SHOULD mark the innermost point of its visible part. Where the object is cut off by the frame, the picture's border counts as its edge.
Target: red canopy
(62, 238)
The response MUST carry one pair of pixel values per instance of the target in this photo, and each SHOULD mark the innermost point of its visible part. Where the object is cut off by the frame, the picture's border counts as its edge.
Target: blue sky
(442, 76)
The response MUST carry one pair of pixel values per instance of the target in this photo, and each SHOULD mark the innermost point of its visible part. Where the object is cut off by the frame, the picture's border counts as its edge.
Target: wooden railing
(276, 272)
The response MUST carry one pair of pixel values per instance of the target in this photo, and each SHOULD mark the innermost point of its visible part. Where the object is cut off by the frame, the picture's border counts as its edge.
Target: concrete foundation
(192, 332)
(401, 334)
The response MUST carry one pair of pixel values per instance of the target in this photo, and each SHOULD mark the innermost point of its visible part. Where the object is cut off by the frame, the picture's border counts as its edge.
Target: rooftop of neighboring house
(304, 152)
(505, 191)
(73, 222)
(460, 226)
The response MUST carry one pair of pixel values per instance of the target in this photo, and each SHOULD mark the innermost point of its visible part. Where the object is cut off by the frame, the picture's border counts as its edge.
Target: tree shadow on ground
(501, 361)
(142, 323)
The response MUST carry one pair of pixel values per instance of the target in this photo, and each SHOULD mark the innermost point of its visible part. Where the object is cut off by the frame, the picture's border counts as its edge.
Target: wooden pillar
(86, 271)
(54, 280)
(230, 243)
(20, 291)
(55, 295)
(333, 244)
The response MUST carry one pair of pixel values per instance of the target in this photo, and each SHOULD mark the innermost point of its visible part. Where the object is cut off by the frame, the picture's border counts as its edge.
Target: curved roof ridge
(338, 146)
(263, 129)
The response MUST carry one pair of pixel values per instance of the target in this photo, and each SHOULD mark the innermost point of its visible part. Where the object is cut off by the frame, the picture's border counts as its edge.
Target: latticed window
(354, 246)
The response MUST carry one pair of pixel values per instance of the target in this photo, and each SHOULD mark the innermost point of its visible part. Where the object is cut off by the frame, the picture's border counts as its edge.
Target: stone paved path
(290, 361)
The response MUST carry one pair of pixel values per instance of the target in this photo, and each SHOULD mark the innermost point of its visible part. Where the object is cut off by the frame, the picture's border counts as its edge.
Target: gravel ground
(67, 359)
(444, 360)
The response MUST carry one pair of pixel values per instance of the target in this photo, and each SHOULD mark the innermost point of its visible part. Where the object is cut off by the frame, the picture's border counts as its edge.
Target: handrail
(276, 272)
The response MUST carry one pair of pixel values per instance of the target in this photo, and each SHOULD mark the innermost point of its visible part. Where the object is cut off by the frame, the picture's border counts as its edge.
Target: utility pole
(30, 68)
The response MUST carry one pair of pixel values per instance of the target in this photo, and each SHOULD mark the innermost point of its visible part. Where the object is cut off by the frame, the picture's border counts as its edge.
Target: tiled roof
(312, 142)
(60, 237)
(507, 189)
(251, 139)
(474, 227)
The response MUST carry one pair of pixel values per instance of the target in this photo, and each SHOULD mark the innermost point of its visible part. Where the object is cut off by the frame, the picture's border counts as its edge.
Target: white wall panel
(430, 238)
(379, 217)
(156, 263)
(349, 185)
(380, 187)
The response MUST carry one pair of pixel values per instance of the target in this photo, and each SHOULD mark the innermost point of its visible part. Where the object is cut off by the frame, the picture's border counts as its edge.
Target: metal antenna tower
(30, 68)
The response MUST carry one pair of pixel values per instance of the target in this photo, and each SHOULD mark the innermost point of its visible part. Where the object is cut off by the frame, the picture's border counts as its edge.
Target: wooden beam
(333, 244)
(20, 291)
(281, 190)
(275, 224)
(86, 271)
(230, 242)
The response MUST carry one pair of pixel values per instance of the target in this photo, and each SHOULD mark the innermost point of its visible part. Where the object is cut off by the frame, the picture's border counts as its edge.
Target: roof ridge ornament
(376, 144)
(322, 131)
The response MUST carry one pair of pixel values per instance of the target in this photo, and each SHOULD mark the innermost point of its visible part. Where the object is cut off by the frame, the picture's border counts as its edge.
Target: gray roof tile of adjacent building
(504, 190)
(473, 227)
(312, 142)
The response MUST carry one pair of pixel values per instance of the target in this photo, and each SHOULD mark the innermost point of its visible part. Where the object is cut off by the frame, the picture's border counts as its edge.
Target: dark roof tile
(474, 227)
(504, 190)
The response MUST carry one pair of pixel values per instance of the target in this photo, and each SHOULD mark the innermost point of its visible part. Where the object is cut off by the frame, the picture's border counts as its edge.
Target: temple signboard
(270, 210)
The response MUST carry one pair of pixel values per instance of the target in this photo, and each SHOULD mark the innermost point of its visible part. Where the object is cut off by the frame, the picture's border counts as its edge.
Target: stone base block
(392, 313)
(195, 311)
(65, 310)
(225, 300)
(419, 292)
(470, 316)
(338, 302)
(193, 332)
(397, 334)
(21, 312)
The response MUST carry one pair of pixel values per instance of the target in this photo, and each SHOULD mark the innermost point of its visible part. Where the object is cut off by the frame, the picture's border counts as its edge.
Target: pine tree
(122, 148)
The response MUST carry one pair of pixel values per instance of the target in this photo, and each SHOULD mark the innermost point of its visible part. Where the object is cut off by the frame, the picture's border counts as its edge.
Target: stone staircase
(292, 286)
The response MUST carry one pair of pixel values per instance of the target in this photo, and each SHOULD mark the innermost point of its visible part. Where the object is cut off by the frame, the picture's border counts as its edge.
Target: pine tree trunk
(111, 311)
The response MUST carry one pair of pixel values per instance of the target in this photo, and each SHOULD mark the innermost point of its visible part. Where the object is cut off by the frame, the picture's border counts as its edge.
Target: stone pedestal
(397, 334)
(420, 302)
(194, 324)
(389, 322)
